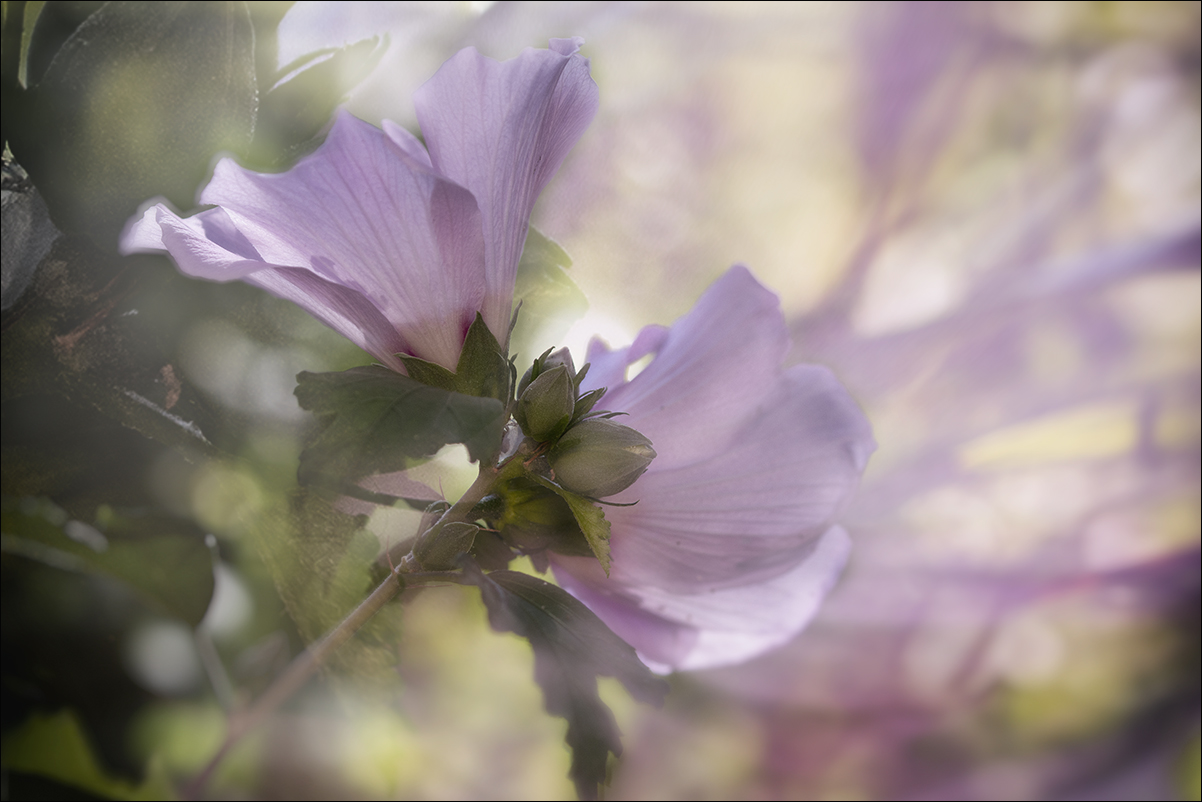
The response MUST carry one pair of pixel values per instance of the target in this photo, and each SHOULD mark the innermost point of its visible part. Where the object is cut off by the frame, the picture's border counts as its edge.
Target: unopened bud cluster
(587, 452)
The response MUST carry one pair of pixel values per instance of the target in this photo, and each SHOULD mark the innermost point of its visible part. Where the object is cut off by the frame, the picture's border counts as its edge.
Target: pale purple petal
(411, 145)
(752, 508)
(209, 246)
(608, 368)
(710, 371)
(502, 129)
(363, 214)
(394, 246)
(717, 628)
(731, 544)
(344, 310)
(206, 245)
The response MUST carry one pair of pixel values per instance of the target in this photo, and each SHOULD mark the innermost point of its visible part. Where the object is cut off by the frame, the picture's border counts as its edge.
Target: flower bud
(597, 458)
(545, 408)
(545, 362)
(561, 357)
(438, 549)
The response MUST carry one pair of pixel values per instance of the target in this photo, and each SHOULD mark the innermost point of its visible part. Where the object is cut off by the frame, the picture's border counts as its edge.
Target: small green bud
(438, 549)
(561, 357)
(597, 458)
(545, 408)
(532, 372)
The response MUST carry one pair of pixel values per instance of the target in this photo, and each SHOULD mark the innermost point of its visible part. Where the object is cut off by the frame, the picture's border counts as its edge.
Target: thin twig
(307, 662)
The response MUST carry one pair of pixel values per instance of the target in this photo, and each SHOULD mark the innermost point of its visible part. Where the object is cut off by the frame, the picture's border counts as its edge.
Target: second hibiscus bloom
(731, 544)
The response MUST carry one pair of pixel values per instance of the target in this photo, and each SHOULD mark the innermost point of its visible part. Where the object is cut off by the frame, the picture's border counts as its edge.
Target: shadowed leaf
(296, 108)
(377, 421)
(572, 647)
(164, 558)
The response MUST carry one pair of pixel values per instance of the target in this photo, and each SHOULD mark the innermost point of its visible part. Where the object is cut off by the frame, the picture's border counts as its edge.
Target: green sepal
(534, 519)
(580, 377)
(430, 373)
(483, 369)
(586, 402)
(589, 517)
(598, 458)
(532, 372)
(545, 407)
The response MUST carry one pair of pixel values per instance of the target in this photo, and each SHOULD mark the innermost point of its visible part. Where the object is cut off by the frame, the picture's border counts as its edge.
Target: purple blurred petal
(714, 628)
(710, 371)
(502, 129)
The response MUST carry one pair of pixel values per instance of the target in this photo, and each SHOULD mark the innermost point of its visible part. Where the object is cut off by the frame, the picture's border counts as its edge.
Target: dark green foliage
(375, 420)
(163, 558)
(572, 647)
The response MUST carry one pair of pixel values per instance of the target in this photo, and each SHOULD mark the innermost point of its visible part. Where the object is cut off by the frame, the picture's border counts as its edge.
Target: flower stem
(304, 665)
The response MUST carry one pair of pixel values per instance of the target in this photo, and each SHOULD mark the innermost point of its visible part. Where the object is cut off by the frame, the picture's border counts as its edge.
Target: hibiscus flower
(731, 545)
(394, 244)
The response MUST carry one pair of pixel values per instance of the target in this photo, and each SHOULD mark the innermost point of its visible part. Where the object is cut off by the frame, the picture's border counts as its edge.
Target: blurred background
(984, 217)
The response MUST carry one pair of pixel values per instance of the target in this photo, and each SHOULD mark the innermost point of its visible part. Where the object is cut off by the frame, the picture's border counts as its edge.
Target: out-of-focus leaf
(296, 108)
(550, 300)
(55, 747)
(54, 25)
(589, 517)
(377, 421)
(321, 561)
(165, 559)
(77, 331)
(572, 647)
(135, 103)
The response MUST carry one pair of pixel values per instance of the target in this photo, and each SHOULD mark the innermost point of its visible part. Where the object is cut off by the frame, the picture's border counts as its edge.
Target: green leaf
(550, 300)
(376, 420)
(299, 105)
(589, 517)
(572, 647)
(165, 559)
(483, 368)
(56, 747)
(135, 103)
